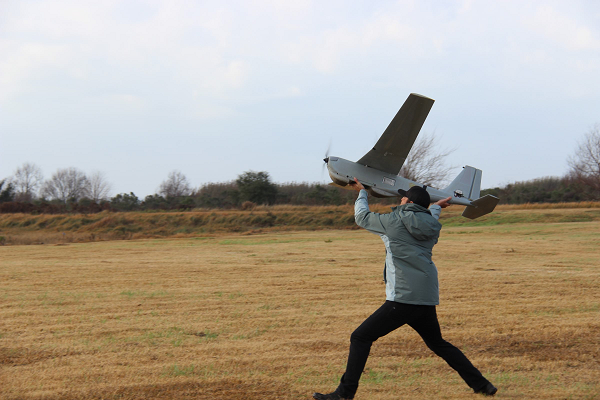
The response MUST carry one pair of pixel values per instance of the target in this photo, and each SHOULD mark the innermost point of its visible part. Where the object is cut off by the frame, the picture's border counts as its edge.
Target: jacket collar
(411, 207)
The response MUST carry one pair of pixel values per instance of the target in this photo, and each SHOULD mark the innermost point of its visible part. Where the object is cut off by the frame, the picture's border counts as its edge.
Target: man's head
(417, 195)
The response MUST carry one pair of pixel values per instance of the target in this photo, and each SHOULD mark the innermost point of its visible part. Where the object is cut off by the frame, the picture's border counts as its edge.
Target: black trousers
(389, 317)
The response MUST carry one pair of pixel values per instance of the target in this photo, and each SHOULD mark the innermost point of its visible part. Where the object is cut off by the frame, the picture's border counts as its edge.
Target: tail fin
(467, 184)
(481, 206)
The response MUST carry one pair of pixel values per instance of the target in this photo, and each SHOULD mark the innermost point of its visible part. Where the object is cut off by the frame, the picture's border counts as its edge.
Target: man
(409, 233)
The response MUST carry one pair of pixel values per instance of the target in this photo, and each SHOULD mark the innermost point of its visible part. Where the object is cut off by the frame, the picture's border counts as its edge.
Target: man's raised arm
(362, 215)
(436, 208)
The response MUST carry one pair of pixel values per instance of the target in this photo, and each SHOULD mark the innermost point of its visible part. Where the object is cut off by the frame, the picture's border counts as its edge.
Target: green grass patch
(179, 370)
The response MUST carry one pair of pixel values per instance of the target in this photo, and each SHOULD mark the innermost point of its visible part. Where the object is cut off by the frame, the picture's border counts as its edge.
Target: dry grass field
(268, 316)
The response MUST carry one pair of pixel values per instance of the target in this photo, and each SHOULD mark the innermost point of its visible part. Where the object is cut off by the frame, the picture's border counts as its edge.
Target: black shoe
(487, 390)
(330, 396)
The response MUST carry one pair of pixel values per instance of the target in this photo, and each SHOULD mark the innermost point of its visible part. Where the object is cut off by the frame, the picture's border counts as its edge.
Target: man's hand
(444, 202)
(356, 185)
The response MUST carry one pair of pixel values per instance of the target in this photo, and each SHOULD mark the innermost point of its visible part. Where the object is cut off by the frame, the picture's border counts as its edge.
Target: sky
(137, 89)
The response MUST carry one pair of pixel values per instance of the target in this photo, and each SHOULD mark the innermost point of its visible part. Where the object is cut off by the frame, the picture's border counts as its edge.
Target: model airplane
(378, 169)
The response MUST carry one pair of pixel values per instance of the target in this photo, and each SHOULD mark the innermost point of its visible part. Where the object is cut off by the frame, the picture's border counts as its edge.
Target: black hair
(418, 195)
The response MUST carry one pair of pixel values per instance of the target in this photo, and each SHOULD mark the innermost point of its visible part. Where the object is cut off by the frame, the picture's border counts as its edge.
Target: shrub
(248, 206)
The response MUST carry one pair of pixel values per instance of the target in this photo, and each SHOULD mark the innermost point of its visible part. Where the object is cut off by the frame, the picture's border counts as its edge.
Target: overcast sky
(136, 89)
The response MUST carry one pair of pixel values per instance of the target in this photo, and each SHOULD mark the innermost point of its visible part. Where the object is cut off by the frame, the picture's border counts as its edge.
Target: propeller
(326, 159)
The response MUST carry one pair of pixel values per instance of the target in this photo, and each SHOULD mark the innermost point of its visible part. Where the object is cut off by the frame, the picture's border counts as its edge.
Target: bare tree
(99, 187)
(27, 180)
(585, 163)
(176, 185)
(426, 163)
(67, 184)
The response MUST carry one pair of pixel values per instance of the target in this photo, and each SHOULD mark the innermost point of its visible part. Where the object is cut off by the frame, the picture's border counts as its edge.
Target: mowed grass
(269, 316)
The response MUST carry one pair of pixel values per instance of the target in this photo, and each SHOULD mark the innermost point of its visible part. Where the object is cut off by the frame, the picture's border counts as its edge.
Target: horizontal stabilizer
(481, 206)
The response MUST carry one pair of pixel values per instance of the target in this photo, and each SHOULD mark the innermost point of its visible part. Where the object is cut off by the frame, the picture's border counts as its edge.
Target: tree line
(71, 190)
(580, 183)
(545, 190)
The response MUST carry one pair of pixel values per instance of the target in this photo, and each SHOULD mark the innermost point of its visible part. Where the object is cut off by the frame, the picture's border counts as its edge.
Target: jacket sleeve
(373, 222)
(435, 211)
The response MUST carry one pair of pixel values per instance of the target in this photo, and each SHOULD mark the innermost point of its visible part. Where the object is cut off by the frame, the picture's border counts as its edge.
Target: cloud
(564, 30)
(206, 67)
(223, 51)
(129, 102)
(25, 64)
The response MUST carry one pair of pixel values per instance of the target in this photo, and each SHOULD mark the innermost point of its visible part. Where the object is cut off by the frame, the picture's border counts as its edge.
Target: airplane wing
(393, 146)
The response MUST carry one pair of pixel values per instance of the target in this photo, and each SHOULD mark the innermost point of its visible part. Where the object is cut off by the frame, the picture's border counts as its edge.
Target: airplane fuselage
(379, 183)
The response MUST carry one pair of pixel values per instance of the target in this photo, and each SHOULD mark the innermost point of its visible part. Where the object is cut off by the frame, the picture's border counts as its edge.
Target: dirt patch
(12, 357)
(231, 389)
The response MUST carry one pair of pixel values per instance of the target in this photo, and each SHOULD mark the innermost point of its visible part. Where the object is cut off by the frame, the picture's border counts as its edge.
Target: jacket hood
(418, 221)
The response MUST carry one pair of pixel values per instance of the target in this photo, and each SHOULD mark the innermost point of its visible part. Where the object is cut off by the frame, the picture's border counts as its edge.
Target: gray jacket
(409, 233)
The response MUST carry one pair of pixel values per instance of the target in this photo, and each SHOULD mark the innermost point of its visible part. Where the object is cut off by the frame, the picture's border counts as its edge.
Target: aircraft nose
(326, 159)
